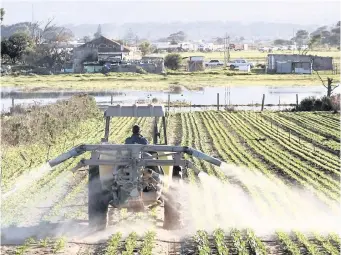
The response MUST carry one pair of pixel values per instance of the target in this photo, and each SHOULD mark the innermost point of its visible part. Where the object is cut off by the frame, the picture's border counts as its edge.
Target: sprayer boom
(135, 149)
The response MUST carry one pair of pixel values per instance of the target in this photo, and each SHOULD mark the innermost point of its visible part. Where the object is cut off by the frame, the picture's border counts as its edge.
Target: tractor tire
(97, 202)
(172, 206)
(232, 67)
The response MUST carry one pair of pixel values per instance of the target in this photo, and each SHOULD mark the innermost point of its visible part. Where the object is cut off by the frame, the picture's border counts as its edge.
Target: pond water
(240, 95)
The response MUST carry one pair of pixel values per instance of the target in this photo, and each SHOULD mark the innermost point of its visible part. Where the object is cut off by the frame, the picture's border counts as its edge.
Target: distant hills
(194, 30)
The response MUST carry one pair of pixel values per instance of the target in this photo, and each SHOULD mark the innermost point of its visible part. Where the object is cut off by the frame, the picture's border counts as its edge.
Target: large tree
(281, 42)
(328, 36)
(15, 46)
(302, 37)
(2, 14)
(51, 56)
(145, 48)
(98, 32)
(177, 37)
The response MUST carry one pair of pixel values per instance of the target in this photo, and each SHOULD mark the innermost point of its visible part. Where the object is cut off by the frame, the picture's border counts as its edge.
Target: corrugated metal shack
(196, 63)
(279, 63)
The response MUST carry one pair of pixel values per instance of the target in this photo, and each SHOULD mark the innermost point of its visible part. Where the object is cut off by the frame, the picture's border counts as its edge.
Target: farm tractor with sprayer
(135, 176)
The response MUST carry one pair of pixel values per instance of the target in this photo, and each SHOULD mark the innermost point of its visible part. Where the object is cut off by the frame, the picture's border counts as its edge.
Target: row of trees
(321, 36)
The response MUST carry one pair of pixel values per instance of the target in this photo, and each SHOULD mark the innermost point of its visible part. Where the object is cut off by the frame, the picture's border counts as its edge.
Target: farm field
(154, 82)
(270, 155)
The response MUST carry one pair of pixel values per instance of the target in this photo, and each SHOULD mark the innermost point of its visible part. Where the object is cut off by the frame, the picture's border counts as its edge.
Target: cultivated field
(279, 194)
(154, 82)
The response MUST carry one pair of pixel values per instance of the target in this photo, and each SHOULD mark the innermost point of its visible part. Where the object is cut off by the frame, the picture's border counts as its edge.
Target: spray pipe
(79, 150)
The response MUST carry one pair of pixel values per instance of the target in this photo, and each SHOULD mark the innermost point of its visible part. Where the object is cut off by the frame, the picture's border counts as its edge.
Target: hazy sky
(95, 12)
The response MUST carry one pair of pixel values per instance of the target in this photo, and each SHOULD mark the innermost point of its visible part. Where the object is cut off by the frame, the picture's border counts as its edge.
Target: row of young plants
(309, 170)
(129, 246)
(229, 139)
(326, 243)
(253, 243)
(284, 235)
(304, 133)
(229, 153)
(325, 161)
(294, 170)
(321, 119)
(200, 132)
(322, 129)
(330, 116)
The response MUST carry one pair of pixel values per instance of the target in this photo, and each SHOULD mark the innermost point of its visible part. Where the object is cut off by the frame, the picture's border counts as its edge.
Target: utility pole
(225, 63)
(226, 47)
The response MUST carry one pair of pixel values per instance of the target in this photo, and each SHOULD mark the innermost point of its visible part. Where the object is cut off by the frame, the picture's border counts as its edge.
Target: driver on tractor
(136, 137)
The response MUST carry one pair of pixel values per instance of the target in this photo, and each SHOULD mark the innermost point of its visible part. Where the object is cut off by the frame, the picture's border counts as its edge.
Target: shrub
(43, 123)
(326, 104)
(336, 102)
(318, 104)
(307, 104)
(173, 61)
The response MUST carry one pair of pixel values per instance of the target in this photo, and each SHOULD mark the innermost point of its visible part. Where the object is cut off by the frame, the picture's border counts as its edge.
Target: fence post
(263, 102)
(168, 102)
(217, 101)
(111, 99)
(11, 110)
(296, 102)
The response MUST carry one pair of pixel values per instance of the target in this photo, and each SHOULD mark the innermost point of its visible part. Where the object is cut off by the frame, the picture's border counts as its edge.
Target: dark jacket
(136, 138)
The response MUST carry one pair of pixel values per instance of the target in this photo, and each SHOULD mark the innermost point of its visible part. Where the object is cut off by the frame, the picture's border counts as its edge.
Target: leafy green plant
(201, 239)
(219, 239)
(113, 244)
(59, 245)
(130, 244)
(148, 243)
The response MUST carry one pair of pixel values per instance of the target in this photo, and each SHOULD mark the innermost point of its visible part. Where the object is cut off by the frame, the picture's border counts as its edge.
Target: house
(99, 50)
(295, 63)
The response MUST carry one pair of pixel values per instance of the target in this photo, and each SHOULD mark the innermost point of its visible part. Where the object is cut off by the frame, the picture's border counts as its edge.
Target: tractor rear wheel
(97, 202)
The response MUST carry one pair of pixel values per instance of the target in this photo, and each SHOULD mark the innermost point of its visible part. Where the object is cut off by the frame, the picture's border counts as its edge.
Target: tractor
(134, 176)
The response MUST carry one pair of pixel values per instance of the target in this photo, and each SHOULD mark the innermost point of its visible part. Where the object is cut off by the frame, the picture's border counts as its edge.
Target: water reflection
(207, 96)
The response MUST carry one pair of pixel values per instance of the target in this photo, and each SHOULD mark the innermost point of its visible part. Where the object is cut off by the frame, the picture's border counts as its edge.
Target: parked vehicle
(235, 64)
(238, 47)
(214, 62)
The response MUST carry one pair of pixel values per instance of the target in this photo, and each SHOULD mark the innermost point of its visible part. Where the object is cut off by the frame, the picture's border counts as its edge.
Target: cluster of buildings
(103, 54)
